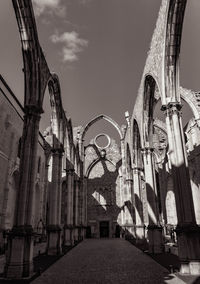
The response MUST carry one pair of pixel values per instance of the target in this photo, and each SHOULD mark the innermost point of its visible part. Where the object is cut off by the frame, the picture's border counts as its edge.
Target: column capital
(147, 150)
(33, 110)
(172, 108)
(57, 151)
(137, 169)
(70, 171)
(129, 180)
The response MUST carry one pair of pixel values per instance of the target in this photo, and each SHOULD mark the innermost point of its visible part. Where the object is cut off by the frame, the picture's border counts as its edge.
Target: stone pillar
(59, 186)
(188, 233)
(68, 227)
(130, 208)
(53, 228)
(139, 222)
(123, 188)
(121, 199)
(44, 213)
(76, 211)
(19, 259)
(154, 229)
(80, 210)
(84, 207)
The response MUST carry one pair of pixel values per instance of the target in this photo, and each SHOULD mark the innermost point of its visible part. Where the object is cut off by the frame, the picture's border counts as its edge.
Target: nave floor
(106, 261)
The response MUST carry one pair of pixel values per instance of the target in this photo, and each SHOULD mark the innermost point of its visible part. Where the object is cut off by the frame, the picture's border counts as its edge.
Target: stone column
(68, 227)
(59, 186)
(139, 222)
(84, 207)
(45, 194)
(19, 259)
(154, 229)
(121, 200)
(53, 228)
(187, 230)
(76, 211)
(130, 206)
(123, 185)
(81, 210)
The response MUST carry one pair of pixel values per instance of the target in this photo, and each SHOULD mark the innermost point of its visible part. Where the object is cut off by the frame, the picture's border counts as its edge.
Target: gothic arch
(91, 166)
(36, 71)
(175, 17)
(56, 106)
(190, 98)
(97, 118)
(129, 173)
(70, 139)
(137, 159)
(149, 101)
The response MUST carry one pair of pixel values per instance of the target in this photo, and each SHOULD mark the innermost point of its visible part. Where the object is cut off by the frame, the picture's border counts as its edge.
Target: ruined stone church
(57, 189)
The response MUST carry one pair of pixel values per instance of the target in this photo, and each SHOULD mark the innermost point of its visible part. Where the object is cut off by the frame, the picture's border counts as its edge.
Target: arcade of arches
(57, 189)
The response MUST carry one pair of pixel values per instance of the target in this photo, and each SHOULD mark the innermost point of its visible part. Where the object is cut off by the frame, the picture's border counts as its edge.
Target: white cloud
(85, 1)
(73, 44)
(50, 6)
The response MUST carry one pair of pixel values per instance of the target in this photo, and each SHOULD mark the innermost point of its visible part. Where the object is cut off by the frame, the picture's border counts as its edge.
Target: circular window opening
(102, 141)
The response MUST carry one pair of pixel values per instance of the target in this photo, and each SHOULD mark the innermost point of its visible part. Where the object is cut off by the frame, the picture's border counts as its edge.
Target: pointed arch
(91, 166)
(175, 17)
(136, 145)
(56, 106)
(97, 118)
(128, 163)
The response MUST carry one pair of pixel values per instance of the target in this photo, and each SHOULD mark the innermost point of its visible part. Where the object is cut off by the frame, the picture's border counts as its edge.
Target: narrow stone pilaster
(139, 222)
(53, 228)
(121, 200)
(19, 259)
(80, 210)
(188, 231)
(76, 211)
(130, 216)
(154, 228)
(84, 207)
(68, 227)
(59, 186)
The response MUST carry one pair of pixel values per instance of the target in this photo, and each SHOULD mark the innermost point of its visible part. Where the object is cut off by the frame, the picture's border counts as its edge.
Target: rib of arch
(95, 162)
(99, 117)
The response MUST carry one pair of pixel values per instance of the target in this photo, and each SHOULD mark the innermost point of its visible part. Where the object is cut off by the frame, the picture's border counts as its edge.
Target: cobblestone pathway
(106, 261)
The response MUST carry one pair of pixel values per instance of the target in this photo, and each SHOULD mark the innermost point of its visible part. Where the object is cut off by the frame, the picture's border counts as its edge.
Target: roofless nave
(55, 188)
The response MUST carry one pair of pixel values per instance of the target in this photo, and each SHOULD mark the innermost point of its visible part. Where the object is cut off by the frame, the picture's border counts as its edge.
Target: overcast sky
(98, 49)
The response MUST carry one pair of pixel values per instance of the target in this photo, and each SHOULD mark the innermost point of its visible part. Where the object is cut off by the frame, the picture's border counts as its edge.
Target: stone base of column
(53, 240)
(75, 234)
(140, 232)
(188, 237)
(155, 239)
(2, 241)
(128, 230)
(19, 258)
(82, 233)
(67, 236)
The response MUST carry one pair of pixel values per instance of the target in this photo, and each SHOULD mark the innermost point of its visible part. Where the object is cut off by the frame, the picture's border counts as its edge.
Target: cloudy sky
(98, 49)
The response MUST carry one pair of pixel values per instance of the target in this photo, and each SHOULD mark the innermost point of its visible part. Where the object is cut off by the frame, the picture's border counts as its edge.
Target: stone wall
(11, 126)
(104, 201)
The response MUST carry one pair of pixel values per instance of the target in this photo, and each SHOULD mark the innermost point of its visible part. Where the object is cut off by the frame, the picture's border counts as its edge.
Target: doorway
(104, 229)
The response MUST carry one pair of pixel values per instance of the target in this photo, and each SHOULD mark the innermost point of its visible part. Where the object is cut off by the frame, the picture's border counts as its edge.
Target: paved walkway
(106, 261)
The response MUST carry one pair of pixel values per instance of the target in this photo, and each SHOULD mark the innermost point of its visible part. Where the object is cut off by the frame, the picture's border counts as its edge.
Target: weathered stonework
(55, 188)
(103, 189)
